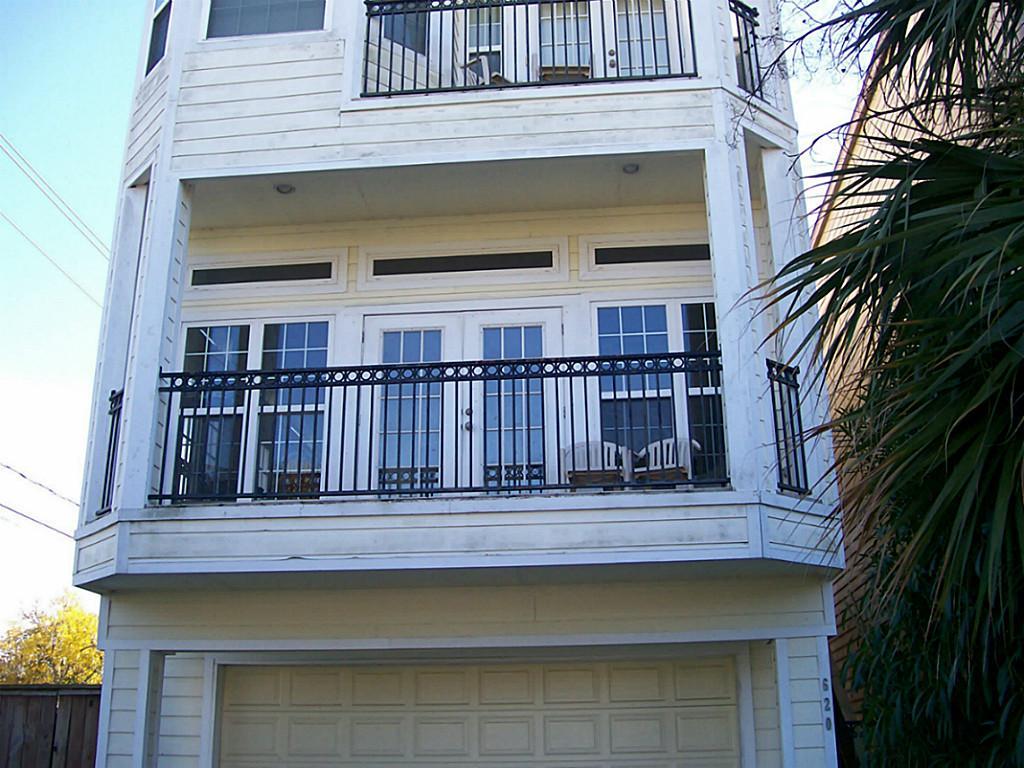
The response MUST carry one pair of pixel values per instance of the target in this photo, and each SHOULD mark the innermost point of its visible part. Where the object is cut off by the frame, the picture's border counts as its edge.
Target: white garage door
(660, 714)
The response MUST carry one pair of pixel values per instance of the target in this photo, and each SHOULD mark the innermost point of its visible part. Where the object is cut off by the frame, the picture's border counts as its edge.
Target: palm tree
(919, 326)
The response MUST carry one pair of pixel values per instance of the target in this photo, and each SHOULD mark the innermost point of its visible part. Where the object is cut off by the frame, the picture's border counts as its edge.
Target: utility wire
(44, 486)
(53, 196)
(37, 522)
(50, 259)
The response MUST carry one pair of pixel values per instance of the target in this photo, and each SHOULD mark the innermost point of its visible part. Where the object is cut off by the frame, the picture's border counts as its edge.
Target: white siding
(181, 712)
(421, 131)
(148, 119)
(766, 705)
(805, 686)
(123, 693)
(336, 618)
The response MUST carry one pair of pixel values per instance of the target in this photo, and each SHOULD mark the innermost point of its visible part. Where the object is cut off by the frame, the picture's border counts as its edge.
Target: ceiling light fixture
(630, 168)
(284, 189)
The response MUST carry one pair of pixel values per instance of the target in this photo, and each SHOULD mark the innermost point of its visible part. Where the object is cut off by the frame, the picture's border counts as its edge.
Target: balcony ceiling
(449, 189)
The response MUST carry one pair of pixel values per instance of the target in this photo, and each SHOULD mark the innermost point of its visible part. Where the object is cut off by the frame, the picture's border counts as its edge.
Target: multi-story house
(433, 425)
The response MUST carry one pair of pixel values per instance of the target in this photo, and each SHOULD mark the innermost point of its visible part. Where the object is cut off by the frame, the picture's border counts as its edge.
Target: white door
(653, 713)
(474, 434)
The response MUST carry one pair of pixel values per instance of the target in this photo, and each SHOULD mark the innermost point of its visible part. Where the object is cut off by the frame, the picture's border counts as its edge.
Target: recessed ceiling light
(284, 189)
(631, 168)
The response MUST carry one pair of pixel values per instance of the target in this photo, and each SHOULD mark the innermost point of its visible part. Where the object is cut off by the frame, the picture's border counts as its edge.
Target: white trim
(745, 709)
(201, 644)
(557, 272)
(828, 719)
(591, 270)
(785, 702)
(335, 284)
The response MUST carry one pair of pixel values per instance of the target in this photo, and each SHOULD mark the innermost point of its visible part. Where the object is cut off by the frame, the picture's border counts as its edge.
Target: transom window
(230, 18)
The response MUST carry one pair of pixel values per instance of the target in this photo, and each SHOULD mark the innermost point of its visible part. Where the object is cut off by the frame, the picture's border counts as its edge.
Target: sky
(67, 68)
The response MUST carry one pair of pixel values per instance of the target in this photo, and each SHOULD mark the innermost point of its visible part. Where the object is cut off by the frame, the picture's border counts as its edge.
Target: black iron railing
(427, 46)
(789, 428)
(484, 427)
(113, 440)
(748, 61)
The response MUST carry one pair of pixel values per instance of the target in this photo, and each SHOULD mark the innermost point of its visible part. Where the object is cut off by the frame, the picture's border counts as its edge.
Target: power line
(44, 486)
(50, 259)
(53, 196)
(37, 522)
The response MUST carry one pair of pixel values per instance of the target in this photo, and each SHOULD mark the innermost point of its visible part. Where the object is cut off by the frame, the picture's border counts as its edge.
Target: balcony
(424, 46)
(485, 427)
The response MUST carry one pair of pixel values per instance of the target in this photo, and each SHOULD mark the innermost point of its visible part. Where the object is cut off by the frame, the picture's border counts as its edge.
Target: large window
(291, 432)
(408, 29)
(229, 18)
(704, 395)
(209, 444)
(410, 415)
(158, 34)
(636, 410)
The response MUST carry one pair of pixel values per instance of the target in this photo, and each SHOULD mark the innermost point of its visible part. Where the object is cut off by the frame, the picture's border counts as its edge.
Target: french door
(468, 434)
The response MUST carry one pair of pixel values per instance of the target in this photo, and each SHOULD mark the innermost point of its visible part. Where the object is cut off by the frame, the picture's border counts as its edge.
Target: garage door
(663, 714)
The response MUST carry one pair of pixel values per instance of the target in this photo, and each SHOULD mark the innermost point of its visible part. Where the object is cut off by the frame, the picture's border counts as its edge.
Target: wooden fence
(48, 726)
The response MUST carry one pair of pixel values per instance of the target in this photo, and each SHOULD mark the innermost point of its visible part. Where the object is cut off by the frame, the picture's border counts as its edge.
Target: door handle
(468, 426)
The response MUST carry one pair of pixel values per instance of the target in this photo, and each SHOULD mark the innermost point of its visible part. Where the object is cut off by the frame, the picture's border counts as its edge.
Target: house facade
(433, 424)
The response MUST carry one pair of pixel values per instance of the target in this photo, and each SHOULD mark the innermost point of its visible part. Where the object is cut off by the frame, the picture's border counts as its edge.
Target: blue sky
(67, 68)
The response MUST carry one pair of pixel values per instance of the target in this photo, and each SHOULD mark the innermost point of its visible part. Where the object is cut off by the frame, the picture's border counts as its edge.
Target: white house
(441, 431)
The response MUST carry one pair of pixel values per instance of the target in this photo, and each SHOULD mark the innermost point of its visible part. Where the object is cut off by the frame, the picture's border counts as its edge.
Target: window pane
(257, 17)
(158, 38)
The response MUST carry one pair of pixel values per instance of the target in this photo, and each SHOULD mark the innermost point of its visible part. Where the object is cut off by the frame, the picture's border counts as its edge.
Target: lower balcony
(512, 425)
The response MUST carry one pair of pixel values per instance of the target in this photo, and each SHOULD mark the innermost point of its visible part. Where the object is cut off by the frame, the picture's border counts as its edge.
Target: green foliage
(56, 646)
(920, 329)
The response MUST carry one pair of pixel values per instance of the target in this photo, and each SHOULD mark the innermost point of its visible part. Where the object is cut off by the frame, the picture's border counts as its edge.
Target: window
(636, 410)
(650, 254)
(744, 35)
(291, 418)
(410, 415)
(158, 34)
(274, 273)
(230, 18)
(426, 265)
(704, 395)
(513, 411)
(565, 40)
(210, 441)
(789, 430)
(643, 38)
(408, 29)
(483, 48)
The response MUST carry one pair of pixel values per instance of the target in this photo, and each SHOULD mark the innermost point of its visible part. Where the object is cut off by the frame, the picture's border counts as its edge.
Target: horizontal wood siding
(259, 94)
(259, 120)
(321, 617)
(123, 698)
(805, 686)
(181, 710)
(149, 114)
(766, 705)
(804, 537)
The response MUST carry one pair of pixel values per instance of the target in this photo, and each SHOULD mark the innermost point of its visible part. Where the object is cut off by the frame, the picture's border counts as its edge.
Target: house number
(826, 702)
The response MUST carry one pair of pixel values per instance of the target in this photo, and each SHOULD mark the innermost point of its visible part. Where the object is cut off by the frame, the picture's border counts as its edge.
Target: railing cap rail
(471, 370)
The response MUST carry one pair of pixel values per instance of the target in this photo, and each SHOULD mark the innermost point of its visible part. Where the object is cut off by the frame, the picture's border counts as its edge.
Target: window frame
(591, 270)
(256, 38)
(336, 283)
(250, 412)
(558, 271)
(149, 65)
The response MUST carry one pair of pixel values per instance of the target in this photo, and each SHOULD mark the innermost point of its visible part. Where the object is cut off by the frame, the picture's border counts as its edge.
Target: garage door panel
(658, 714)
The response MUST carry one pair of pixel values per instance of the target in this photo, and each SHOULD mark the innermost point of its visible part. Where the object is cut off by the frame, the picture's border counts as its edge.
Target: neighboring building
(443, 433)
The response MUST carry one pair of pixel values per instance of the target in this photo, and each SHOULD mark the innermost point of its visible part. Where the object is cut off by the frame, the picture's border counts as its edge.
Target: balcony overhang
(450, 189)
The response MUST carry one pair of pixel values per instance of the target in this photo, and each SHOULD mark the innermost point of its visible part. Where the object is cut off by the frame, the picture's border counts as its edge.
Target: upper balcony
(403, 82)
